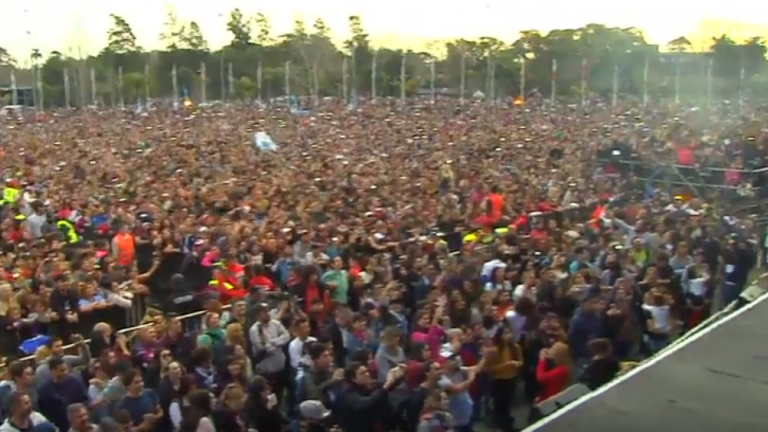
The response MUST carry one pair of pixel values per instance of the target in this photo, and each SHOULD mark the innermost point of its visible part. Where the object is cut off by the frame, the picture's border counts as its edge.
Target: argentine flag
(262, 141)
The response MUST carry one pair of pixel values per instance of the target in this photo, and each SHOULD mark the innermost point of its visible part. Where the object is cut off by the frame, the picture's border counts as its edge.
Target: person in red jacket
(553, 371)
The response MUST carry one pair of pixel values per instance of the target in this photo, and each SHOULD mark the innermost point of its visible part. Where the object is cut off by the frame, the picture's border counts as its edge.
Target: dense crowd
(424, 268)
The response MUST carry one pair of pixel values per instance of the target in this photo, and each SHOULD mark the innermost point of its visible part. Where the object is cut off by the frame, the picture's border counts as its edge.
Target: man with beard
(22, 418)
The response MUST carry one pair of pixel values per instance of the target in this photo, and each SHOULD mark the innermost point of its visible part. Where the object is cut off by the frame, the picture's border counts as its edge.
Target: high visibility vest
(10, 195)
(215, 283)
(501, 231)
(470, 238)
(68, 230)
(125, 249)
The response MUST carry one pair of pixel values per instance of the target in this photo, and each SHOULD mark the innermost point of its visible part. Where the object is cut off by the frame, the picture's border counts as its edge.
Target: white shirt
(521, 291)
(296, 350)
(660, 316)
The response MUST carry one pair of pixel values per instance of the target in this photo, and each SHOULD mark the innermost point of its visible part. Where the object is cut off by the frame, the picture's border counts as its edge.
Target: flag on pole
(39, 85)
(120, 86)
(14, 89)
(522, 79)
(742, 82)
(259, 78)
(615, 94)
(146, 83)
(463, 77)
(402, 79)
(230, 79)
(709, 81)
(203, 83)
(67, 90)
(315, 84)
(554, 82)
(94, 94)
(491, 90)
(583, 81)
(288, 79)
(677, 81)
(175, 85)
(646, 70)
(373, 75)
(432, 80)
(345, 79)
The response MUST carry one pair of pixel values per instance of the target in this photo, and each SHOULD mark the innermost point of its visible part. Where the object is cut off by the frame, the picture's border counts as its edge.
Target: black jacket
(357, 408)
(227, 420)
(261, 418)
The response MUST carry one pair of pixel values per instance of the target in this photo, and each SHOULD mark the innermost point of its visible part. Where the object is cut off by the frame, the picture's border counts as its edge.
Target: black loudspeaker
(547, 407)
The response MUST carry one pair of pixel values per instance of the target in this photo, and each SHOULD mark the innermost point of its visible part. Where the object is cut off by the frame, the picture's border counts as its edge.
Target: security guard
(69, 231)
(11, 194)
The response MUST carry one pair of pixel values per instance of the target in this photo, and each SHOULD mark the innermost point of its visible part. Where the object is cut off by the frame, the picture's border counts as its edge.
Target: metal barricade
(192, 320)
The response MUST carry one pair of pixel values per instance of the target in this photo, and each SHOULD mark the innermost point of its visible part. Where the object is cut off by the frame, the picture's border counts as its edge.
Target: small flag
(263, 142)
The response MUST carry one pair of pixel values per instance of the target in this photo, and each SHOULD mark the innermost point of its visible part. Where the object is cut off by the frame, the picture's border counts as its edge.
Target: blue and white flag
(295, 108)
(262, 141)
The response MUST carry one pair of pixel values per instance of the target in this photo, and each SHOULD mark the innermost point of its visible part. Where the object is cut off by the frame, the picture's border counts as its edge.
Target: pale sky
(66, 24)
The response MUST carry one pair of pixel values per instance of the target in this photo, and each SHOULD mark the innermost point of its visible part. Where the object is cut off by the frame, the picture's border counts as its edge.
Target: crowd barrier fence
(199, 276)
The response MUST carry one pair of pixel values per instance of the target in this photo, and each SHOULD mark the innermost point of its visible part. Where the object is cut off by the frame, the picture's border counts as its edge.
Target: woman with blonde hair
(228, 416)
(7, 299)
(554, 371)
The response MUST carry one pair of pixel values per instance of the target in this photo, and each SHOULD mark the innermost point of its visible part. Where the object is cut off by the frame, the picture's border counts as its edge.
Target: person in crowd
(604, 366)
(228, 415)
(359, 404)
(43, 373)
(170, 390)
(97, 385)
(504, 365)
(261, 405)
(79, 419)
(214, 335)
(197, 414)
(296, 348)
(204, 370)
(22, 380)
(141, 404)
(318, 380)
(177, 342)
(554, 371)
(22, 417)
(390, 353)
(268, 337)
(314, 416)
(58, 392)
(435, 415)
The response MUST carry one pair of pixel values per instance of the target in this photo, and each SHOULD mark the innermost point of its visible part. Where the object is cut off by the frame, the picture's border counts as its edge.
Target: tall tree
(120, 37)
(240, 28)
(173, 31)
(263, 29)
(192, 38)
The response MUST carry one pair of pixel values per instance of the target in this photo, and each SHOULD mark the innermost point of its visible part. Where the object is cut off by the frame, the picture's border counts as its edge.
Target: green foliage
(594, 53)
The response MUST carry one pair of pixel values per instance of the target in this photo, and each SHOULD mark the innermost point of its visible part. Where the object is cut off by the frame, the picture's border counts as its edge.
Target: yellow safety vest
(227, 285)
(10, 195)
(470, 238)
(68, 230)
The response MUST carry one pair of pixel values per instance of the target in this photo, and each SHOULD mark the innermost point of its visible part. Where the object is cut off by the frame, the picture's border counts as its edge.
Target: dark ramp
(716, 380)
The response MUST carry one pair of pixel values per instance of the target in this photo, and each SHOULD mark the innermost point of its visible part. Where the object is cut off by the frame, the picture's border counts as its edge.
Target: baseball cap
(313, 410)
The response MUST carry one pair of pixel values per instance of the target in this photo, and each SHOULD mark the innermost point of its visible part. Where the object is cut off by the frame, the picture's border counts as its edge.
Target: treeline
(259, 64)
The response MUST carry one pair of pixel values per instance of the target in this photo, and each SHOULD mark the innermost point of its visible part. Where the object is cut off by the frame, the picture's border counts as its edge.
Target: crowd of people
(428, 267)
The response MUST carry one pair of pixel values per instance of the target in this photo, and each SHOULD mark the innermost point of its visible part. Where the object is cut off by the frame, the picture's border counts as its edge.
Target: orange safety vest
(126, 251)
(497, 205)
